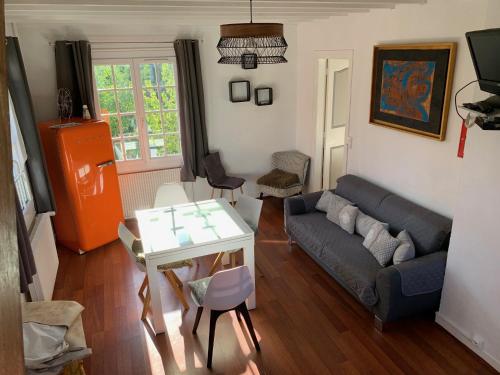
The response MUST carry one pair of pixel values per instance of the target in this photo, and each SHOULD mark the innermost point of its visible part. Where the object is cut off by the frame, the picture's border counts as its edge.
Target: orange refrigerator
(83, 175)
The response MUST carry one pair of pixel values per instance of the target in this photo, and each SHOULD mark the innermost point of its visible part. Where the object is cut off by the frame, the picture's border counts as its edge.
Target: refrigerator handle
(105, 164)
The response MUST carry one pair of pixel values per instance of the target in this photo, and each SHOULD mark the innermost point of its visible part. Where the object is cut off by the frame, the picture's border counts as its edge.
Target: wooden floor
(306, 323)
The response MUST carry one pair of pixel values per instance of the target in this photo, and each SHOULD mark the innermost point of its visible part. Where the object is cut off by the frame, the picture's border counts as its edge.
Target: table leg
(249, 261)
(156, 306)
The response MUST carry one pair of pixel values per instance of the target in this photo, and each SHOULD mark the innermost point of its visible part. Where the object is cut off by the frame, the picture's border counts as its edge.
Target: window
(138, 99)
(19, 171)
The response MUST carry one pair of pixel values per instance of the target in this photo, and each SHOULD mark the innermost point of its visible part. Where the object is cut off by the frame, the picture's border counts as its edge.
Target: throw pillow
(381, 244)
(406, 250)
(347, 218)
(336, 205)
(365, 222)
(324, 201)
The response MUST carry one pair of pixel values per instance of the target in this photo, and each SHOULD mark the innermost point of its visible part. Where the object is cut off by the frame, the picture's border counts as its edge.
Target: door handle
(105, 163)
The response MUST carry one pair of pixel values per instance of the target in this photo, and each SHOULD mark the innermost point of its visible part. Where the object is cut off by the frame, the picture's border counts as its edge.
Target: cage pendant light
(241, 42)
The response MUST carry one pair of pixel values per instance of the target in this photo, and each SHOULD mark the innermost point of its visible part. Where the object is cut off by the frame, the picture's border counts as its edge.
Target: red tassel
(463, 138)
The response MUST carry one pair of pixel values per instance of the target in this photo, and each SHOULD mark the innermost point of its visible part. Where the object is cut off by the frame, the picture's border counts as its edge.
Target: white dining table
(191, 230)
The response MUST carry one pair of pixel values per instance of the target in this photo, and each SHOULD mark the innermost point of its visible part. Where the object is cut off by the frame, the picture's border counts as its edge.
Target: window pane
(103, 77)
(166, 72)
(129, 125)
(170, 121)
(123, 79)
(153, 121)
(126, 100)
(107, 102)
(112, 121)
(151, 100)
(117, 147)
(148, 75)
(156, 146)
(132, 150)
(168, 100)
(173, 144)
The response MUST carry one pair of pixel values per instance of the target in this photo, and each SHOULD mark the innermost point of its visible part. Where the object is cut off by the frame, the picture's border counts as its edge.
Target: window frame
(146, 162)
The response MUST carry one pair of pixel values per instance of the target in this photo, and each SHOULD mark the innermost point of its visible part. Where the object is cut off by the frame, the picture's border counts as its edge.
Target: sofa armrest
(411, 287)
(301, 204)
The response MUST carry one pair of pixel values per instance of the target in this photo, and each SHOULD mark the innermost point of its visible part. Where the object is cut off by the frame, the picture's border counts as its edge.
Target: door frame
(317, 168)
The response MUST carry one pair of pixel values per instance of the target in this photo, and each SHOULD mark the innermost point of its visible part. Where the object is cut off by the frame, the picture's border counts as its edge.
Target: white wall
(245, 134)
(421, 169)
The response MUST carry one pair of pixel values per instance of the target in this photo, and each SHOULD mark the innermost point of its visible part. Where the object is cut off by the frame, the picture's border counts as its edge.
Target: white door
(336, 120)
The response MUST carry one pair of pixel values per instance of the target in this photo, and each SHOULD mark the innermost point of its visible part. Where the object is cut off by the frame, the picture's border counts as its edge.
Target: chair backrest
(170, 194)
(292, 162)
(229, 288)
(214, 168)
(132, 244)
(249, 209)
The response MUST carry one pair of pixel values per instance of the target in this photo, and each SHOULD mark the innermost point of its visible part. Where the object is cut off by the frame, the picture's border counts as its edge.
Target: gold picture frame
(411, 87)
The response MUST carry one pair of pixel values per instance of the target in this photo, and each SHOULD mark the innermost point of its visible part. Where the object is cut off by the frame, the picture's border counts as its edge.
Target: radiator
(138, 189)
(46, 259)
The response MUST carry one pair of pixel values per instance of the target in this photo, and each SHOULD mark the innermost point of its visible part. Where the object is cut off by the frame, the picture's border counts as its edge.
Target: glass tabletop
(189, 224)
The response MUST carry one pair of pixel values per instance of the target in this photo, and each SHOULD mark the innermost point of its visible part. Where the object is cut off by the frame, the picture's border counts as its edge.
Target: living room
(307, 317)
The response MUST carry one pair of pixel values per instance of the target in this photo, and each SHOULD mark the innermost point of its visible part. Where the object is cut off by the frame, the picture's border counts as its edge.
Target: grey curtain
(27, 266)
(74, 72)
(21, 98)
(191, 109)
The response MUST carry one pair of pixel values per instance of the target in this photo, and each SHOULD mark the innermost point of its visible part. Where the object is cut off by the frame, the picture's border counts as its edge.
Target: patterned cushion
(199, 289)
(337, 203)
(406, 250)
(347, 218)
(365, 222)
(279, 179)
(324, 201)
(381, 244)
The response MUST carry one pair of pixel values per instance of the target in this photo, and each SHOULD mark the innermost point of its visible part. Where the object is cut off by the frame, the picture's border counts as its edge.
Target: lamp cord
(251, 12)
(456, 94)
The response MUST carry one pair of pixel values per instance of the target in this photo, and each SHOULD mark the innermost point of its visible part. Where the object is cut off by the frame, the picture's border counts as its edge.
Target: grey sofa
(391, 292)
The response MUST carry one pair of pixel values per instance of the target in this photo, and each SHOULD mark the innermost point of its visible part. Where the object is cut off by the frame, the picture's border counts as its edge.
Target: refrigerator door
(92, 182)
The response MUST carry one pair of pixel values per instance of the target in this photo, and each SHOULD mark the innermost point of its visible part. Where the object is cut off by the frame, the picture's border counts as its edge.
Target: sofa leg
(379, 324)
(261, 195)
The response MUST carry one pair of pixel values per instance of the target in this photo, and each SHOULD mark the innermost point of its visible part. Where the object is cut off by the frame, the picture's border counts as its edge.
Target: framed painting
(411, 87)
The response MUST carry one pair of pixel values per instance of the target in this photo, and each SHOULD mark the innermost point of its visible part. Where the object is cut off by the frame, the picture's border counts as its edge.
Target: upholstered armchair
(287, 177)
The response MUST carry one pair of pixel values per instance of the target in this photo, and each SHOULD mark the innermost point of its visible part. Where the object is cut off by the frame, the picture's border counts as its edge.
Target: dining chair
(249, 209)
(170, 194)
(133, 246)
(217, 177)
(224, 291)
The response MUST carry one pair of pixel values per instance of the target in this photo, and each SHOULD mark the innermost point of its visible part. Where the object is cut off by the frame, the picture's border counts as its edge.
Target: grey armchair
(288, 174)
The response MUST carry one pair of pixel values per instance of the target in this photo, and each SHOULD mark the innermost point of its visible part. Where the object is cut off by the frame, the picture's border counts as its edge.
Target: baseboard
(464, 339)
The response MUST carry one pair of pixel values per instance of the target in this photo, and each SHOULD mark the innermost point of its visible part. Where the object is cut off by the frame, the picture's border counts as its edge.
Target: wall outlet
(477, 341)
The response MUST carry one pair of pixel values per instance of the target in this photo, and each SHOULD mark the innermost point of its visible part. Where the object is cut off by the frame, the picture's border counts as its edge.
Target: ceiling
(186, 11)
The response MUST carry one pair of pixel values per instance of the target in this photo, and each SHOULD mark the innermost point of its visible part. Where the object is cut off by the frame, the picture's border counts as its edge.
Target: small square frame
(239, 91)
(249, 61)
(263, 96)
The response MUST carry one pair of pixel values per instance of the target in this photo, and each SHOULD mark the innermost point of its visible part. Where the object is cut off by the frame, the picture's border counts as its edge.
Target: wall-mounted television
(484, 46)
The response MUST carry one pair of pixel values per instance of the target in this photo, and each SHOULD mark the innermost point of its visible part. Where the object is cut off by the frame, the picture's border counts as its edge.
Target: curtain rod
(128, 42)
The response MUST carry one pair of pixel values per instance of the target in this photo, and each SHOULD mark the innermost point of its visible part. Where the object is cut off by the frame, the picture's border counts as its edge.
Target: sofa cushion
(347, 218)
(406, 249)
(352, 264)
(364, 223)
(337, 203)
(324, 201)
(311, 230)
(381, 244)
(428, 230)
(280, 179)
(364, 194)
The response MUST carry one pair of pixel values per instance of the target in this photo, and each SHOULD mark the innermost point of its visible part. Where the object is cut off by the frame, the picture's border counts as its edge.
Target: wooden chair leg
(244, 311)
(221, 191)
(213, 192)
(211, 335)
(144, 284)
(216, 264)
(232, 198)
(178, 292)
(145, 308)
(197, 320)
(177, 280)
(241, 189)
(232, 258)
(238, 315)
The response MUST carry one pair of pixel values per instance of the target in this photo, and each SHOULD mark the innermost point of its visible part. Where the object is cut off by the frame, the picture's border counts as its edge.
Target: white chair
(249, 209)
(170, 194)
(225, 291)
(133, 246)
